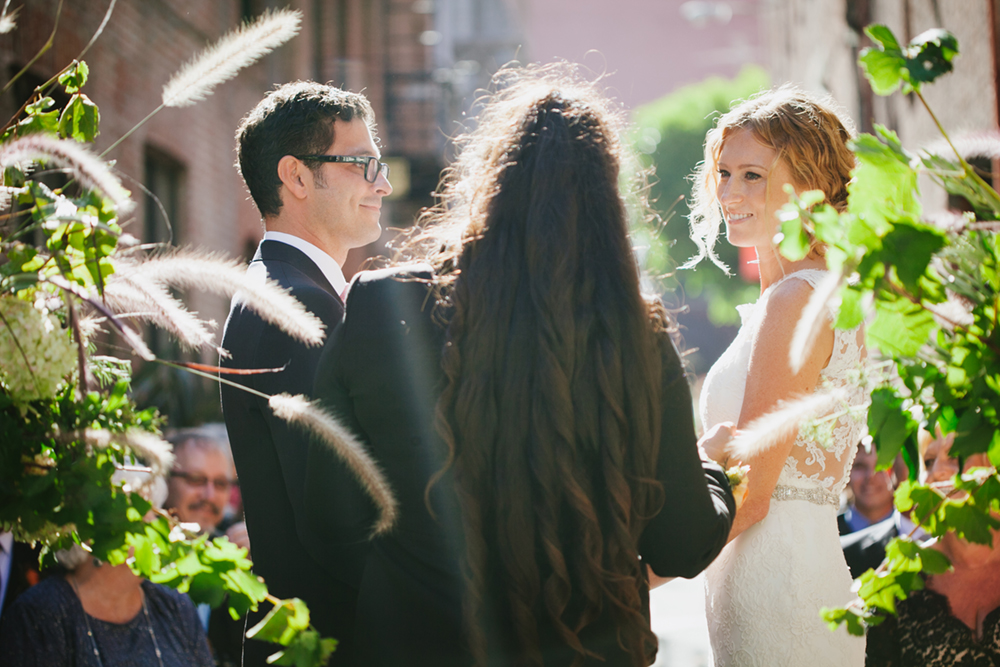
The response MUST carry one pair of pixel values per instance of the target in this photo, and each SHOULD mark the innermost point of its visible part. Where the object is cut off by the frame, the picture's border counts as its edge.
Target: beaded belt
(814, 495)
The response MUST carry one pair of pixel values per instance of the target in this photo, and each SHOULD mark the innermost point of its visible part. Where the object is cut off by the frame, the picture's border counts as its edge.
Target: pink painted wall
(648, 44)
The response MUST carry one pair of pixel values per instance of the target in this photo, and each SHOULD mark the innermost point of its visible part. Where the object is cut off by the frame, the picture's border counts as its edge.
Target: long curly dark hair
(551, 408)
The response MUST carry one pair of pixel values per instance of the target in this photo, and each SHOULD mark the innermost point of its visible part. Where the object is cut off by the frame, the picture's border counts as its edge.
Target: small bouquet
(739, 482)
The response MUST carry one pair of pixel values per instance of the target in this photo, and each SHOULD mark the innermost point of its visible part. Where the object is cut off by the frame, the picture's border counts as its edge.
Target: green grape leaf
(884, 70)
(884, 65)
(890, 425)
(969, 521)
(994, 450)
(75, 77)
(190, 565)
(306, 650)
(794, 240)
(911, 246)
(80, 119)
(850, 313)
(282, 623)
(988, 494)
(905, 555)
(245, 591)
(884, 187)
(929, 55)
(38, 119)
(18, 254)
(835, 616)
(14, 178)
(923, 500)
(881, 591)
(973, 434)
(947, 418)
(901, 327)
(884, 37)
(794, 215)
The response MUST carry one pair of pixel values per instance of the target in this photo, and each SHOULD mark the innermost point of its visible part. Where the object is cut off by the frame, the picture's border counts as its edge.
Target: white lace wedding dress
(766, 588)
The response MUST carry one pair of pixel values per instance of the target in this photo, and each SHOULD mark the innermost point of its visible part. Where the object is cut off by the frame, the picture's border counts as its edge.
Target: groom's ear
(295, 176)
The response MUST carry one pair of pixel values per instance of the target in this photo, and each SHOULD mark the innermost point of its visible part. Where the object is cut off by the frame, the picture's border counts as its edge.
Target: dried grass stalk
(299, 410)
(768, 431)
(218, 275)
(7, 18)
(85, 167)
(220, 62)
(815, 316)
(153, 303)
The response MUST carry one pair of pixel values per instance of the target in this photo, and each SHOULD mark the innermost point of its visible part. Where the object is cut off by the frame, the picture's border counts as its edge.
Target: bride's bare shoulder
(787, 301)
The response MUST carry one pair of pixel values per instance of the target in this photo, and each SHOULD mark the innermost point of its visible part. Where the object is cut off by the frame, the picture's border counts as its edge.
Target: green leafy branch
(964, 508)
(935, 295)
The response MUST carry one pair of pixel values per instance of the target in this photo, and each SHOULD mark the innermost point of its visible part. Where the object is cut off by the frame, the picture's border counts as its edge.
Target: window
(164, 180)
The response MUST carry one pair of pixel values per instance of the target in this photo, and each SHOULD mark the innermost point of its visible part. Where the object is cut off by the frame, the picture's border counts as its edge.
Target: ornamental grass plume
(814, 317)
(152, 303)
(298, 410)
(88, 169)
(783, 422)
(217, 64)
(210, 273)
(151, 449)
(7, 22)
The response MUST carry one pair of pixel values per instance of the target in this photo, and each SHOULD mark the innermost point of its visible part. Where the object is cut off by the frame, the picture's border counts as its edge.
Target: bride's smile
(751, 189)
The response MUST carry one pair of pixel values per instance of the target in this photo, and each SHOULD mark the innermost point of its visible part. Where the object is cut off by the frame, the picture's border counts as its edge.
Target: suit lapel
(276, 251)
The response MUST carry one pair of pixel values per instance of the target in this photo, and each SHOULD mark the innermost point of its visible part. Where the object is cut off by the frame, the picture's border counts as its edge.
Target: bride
(783, 561)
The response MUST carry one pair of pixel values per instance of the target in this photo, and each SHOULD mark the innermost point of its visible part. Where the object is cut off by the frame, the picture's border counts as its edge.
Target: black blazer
(865, 549)
(381, 374)
(295, 559)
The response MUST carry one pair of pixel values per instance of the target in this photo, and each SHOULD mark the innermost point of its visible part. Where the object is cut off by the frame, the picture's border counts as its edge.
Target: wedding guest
(955, 619)
(865, 548)
(784, 560)
(200, 484)
(527, 406)
(871, 492)
(99, 614)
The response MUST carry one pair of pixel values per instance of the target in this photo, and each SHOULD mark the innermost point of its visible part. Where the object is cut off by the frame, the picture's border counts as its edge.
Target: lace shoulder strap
(811, 276)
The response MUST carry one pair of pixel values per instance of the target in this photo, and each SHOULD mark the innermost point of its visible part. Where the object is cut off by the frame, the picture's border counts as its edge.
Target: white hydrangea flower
(46, 346)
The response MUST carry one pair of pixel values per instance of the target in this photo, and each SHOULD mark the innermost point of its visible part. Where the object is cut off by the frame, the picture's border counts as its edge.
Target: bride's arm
(769, 380)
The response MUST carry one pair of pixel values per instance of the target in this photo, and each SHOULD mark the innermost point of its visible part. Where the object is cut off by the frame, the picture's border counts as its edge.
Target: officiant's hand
(713, 444)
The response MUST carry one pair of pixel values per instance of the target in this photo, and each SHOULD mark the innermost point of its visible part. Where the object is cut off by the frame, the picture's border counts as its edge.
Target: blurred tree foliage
(669, 135)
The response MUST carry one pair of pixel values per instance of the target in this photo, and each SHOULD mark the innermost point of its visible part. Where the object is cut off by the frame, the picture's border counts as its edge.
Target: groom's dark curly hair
(551, 410)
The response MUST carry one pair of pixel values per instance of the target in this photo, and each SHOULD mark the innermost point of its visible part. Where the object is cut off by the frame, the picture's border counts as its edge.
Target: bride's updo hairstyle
(809, 133)
(551, 411)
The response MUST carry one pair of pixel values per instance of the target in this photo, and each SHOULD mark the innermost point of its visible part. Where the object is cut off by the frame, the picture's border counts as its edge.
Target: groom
(308, 157)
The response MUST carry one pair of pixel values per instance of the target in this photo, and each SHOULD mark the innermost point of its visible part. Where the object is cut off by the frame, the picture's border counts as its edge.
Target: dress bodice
(814, 461)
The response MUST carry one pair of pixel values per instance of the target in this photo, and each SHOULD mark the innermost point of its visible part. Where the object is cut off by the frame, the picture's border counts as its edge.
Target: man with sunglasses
(308, 156)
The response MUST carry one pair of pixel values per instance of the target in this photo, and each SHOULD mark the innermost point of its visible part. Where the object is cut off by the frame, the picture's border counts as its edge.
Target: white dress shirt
(328, 265)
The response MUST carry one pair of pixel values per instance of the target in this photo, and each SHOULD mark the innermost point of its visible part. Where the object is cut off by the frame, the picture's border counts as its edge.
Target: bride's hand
(713, 444)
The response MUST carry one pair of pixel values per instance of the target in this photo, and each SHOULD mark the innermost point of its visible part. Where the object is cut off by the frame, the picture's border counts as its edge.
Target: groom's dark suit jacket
(312, 551)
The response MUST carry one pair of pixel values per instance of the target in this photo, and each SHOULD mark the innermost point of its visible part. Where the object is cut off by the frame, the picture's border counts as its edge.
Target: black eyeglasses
(221, 484)
(372, 166)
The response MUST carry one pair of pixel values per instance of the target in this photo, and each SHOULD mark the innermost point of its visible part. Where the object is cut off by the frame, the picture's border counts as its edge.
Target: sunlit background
(673, 64)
